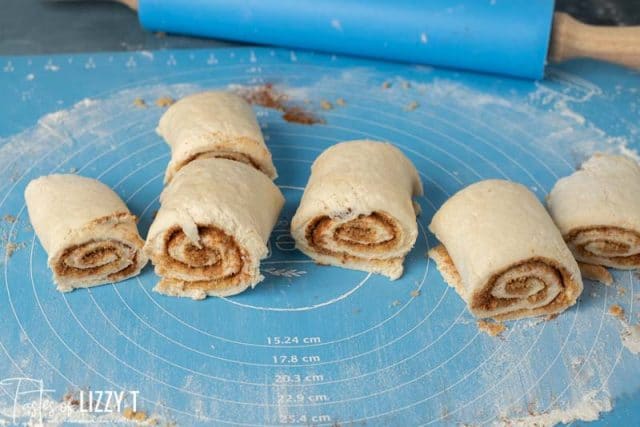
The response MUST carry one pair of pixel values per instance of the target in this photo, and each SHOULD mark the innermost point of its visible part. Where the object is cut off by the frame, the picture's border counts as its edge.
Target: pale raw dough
(214, 124)
(596, 272)
(597, 210)
(511, 259)
(89, 234)
(357, 209)
(212, 229)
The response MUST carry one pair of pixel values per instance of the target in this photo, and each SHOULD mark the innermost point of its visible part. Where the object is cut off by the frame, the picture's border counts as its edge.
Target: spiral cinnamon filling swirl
(535, 286)
(597, 210)
(361, 239)
(88, 232)
(530, 288)
(502, 253)
(608, 246)
(103, 259)
(357, 210)
(216, 263)
(212, 228)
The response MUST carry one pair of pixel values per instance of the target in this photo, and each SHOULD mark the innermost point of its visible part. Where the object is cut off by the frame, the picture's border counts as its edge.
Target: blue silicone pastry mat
(310, 345)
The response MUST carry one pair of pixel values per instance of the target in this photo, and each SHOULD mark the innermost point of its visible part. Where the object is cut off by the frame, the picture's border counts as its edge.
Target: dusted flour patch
(588, 408)
(630, 335)
(50, 412)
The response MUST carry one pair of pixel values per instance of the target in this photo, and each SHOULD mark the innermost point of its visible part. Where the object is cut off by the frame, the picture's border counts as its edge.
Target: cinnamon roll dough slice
(597, 210)
(214, 124)
(212, 228)
(503, 254)
(89, 234)
(357, 209)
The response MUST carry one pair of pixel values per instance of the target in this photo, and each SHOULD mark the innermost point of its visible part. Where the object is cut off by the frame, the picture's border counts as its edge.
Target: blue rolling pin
(512, 37)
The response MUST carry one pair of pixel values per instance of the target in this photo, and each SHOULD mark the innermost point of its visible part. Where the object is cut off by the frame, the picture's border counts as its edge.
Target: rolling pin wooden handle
(573, 39)
(131, 4)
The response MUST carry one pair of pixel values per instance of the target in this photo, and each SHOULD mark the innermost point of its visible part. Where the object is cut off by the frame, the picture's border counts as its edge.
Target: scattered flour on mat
(631, 337)
(48, 412)
(588, 408)
(85, 121)
(545, 114)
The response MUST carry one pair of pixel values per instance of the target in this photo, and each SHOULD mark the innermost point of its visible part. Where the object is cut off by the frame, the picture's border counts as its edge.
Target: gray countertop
(30, 27)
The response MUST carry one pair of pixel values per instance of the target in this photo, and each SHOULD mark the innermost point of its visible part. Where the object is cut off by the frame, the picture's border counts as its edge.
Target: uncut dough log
(597, 210)
(212, 228)
(214, 124)
(89, 234)
(509, 260)
(357, 209)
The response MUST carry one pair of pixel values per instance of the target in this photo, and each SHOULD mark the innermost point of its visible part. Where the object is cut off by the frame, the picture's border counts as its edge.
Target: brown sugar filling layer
(216, 263)
(226, 153)
(112, 259)
(618, 245)
(373, 234)
(529, 284)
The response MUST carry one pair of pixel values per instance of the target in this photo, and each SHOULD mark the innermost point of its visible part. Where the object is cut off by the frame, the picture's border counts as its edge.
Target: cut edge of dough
(392, 267)
(445, 266)
(177, 288)
(595, 272)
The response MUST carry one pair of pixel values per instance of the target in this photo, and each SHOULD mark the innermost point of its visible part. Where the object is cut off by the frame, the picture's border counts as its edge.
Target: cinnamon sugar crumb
(267, 96)
(395, 303)
(341, 102)
(491, 328)
(298, 115)
(10, 248)
(139, 102)
(551, 316)
(9, 218)
(326, 105)
(71, 399)
(130, 414)
(411, 106)
(415, 293)
(164, 101)
(616, 311)
(386, 85)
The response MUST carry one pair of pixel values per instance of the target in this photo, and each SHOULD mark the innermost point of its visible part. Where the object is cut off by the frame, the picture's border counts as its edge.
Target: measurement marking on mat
(292, 359)
(303, 419)
(298, 379)
(287, 340)
(302, 398)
